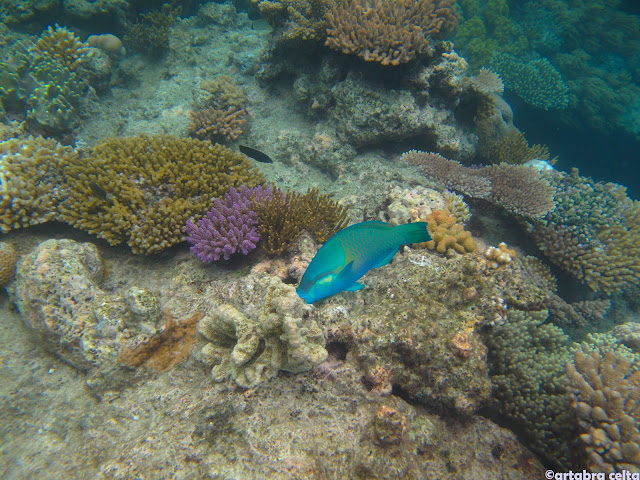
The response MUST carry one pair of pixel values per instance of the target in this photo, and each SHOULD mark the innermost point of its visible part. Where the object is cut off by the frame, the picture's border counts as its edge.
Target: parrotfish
(351, 253)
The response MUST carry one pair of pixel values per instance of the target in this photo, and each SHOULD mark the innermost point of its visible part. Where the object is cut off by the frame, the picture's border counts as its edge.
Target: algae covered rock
(265, 330)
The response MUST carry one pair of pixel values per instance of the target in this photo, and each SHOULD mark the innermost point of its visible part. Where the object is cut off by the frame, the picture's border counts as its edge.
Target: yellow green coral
(64, 46)
(29, 181)
(142, 190)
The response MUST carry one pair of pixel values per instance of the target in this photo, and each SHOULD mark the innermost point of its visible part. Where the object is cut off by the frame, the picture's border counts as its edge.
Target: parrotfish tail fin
(412, 233)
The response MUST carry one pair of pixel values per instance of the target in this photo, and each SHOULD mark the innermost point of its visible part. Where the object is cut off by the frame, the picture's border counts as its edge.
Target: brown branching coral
(283, 217)
(606, 396)
(63, 45)
(217, 124)
(389, 31)
(166, 349)
(142, 190)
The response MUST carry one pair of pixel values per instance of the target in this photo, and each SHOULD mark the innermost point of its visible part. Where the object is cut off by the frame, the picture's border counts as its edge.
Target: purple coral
(230, 226)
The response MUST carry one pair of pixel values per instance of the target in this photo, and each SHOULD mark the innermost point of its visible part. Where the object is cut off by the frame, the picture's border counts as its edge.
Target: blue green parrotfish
(351, 253)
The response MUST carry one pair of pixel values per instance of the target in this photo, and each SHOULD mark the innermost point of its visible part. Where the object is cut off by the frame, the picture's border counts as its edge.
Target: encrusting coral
(142, 190)
(389, 31)
(166, 349)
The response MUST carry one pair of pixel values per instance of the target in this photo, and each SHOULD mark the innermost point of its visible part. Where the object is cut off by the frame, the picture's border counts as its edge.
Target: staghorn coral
(447, 234)
(142, 190)
(8, 259)
(281, 218)
(251, 341)
(217, 124)
(605, 397)
(519, 189)
(167, 348)
(229, 227)
(63, 45)
(30, 181)
(387, 31)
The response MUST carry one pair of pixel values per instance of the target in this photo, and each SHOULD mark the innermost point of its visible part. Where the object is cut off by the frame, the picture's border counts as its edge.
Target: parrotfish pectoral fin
(355, 287)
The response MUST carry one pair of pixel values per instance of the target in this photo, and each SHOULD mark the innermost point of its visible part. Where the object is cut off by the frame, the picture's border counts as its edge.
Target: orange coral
(166, 349)
(460, 342)
(447, 234)
(217, 124)
(389, 31)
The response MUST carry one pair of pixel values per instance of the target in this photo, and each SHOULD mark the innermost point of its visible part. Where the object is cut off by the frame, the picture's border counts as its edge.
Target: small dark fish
(98, 191)
(255, 154)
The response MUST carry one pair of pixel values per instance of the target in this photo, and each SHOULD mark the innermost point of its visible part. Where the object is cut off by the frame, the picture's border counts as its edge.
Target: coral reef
(30, 181)
(486, 81)
(524, 354)
(521, 190)
(229, 227)
(150, 33)
(62, 45)
(142, 190)
(499, 256)
(261, 335)
(281, 218)
(593, 234)
(216, 124)
(56, 291)
(389, 32)
(628, 334)
(513, 148)
(537, 82)
(167, 348)
(447, 234)
(604, 389)
(8, 259)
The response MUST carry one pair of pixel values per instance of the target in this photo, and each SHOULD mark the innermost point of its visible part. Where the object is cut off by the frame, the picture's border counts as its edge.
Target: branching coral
(229, 227)
(141, 190)
(389, 31)
(282, 218)
(514, 148)
(217, 124)
(62, 45)
(606, 397)
(537, 82)
(30, 181)
(447, 234)
(594, 233)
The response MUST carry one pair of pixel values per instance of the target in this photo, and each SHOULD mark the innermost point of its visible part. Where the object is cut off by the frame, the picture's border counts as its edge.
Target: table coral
(387, 31)
(148, 187)
(250, 342)
(30, 181)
